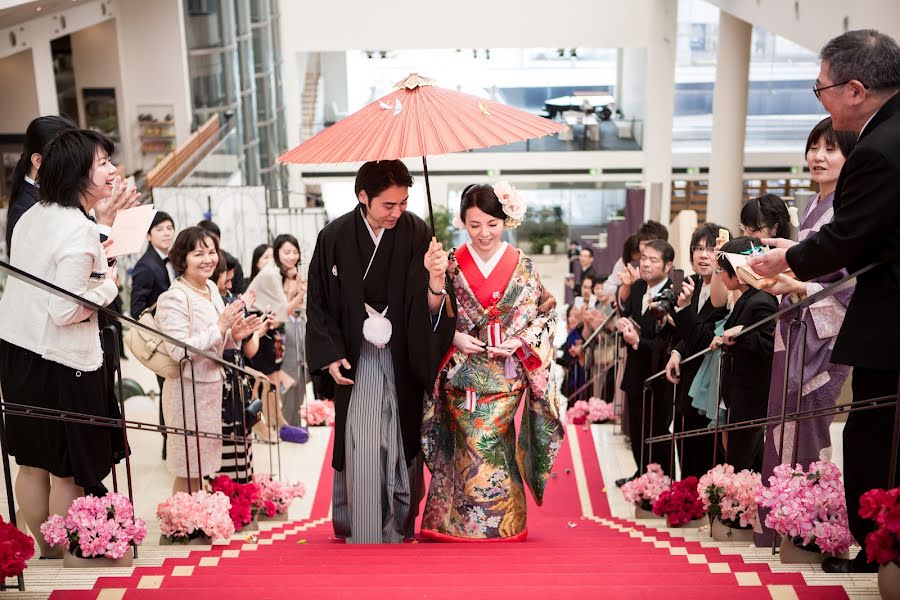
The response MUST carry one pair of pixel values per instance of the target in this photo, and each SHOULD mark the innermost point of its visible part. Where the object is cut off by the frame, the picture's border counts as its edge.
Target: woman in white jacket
(192, 311)
(50, 355)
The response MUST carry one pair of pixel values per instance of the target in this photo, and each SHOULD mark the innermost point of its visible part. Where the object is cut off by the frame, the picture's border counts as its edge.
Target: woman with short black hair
(50, 354)
(193, 311)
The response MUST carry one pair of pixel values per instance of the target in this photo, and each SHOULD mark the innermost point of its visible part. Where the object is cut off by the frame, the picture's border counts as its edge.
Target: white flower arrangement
(513, 206)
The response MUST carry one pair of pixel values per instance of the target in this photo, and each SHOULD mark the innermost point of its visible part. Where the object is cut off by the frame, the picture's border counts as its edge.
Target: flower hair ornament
(513, 206)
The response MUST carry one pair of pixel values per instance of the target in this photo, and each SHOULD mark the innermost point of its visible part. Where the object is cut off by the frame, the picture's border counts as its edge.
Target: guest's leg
(33, 496)
(635, 416)
(867, 447)
(662, 420)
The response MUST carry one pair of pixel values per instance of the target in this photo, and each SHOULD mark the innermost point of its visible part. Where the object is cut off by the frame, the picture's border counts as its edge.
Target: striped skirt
(372, 502)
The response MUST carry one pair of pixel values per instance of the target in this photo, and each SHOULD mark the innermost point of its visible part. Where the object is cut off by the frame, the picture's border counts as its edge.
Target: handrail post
(672, 449)
(643, 423)
(895, 442)
(804, 330)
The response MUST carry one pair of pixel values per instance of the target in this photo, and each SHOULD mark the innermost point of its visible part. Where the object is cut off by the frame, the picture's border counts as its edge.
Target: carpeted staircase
(575, 549)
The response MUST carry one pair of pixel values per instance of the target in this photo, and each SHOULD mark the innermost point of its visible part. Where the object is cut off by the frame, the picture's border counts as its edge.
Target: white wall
(18, 102)
(463, 24)
(811, 23)
(95, 60)
(153, 54)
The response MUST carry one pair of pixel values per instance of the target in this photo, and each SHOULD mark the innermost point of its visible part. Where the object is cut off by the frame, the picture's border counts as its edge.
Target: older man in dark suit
(858, 84)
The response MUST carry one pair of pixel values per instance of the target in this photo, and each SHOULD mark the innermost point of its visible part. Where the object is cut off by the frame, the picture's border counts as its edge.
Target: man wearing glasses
(858, 85)
(695, 324)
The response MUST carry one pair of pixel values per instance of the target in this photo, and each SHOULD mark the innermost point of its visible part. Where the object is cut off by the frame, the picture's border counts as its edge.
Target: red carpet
(566, 555)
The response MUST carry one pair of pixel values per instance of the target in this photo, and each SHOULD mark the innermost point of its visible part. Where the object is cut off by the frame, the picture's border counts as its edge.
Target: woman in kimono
(826, 151)
(501, 354)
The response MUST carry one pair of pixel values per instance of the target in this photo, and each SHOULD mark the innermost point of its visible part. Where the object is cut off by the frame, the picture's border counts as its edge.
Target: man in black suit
(646, 338)
(695, 324)
(151, 277)
(858, 85)
(153, 274)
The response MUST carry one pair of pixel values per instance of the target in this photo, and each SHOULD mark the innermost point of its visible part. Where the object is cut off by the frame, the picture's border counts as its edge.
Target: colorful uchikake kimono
(468, 431)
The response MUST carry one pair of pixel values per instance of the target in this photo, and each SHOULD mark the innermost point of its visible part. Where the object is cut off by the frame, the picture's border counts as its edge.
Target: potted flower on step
(808, 509)
(197, 519)
(883, 544)
(277, 496)
(680, 504)
(589, 412)
(244, 499)
(96, 532)
(644, 490)
(16, 547)
(730, 500)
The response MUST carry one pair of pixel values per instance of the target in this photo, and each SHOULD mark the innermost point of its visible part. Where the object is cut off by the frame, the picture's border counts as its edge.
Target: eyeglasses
(817, 90)
(702, 249)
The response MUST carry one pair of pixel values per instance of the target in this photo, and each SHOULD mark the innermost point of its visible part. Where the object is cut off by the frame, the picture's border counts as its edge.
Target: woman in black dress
(50, 354)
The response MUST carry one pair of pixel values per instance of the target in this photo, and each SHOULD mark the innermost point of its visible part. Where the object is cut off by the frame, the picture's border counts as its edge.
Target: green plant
(443, 227)
(543, 227)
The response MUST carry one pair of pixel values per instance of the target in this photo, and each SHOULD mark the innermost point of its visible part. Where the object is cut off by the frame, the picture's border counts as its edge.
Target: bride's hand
(506, 348)
(467, 344)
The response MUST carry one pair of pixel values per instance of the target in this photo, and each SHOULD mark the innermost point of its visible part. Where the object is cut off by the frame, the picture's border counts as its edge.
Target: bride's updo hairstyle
(484, 199)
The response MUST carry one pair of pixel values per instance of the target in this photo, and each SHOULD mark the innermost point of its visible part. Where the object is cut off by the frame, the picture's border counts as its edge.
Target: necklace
(196, 289)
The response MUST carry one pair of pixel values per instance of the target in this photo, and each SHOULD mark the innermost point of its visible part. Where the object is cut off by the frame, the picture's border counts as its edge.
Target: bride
(501, 355)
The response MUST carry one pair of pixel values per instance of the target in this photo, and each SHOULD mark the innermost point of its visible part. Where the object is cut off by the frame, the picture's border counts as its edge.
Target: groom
(376, 264)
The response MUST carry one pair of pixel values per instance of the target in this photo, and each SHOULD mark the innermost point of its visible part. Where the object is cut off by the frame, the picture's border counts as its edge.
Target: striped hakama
(372, 502)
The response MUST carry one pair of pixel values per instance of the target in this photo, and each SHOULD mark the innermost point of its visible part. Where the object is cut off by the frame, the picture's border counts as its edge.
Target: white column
(334, 84)
(632, 67)
(659, 94)
(726, 163)
(45, 81)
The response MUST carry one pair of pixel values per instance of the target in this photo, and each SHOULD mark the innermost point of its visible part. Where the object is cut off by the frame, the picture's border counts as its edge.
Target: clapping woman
(50, 354)
(193, 311)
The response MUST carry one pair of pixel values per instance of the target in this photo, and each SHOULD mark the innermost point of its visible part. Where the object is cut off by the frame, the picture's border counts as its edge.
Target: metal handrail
(58, 291)
(825, 292)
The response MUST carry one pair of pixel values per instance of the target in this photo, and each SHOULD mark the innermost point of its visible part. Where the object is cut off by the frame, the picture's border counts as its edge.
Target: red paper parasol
(418, 119)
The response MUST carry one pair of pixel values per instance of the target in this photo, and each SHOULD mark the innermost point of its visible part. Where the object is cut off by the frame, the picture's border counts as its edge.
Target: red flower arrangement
(245, 500)
(15, 548)
(883, 507)
(680, 504)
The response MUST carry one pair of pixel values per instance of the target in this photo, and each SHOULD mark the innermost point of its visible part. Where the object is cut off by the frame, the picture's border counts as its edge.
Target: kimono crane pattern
(477, 463)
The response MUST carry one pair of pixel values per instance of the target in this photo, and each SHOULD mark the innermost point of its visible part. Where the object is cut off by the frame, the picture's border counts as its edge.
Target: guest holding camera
(193, 311)
(51, 356)
(646, 331)
(695, 323)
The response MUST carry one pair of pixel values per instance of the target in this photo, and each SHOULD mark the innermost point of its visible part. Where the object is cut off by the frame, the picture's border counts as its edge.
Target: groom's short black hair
(376, 176)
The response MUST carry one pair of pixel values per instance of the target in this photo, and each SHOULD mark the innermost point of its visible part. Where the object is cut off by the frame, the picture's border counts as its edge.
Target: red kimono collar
(488, 291)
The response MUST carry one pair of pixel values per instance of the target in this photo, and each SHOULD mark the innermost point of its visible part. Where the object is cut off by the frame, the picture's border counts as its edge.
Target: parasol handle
(428, 194)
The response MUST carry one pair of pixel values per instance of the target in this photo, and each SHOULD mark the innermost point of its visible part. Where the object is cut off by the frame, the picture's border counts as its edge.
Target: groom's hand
(334, 369)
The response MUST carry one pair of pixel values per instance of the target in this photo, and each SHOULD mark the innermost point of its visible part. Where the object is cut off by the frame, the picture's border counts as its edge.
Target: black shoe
(624, 480)
(833, 564)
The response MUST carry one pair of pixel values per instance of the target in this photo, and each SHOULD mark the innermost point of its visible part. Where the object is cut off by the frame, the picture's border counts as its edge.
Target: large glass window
(208, 80)
(781, 108)
(204, 24)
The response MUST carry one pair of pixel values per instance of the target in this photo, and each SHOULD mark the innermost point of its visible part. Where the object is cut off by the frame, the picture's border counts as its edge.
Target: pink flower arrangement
(643, 491)
(245, 500)
(15, 548)
(318, 412)
(276, 494)
(594, 410)
(680, 504)
(883, 507)
(808, 506)
(187, 516)
(95, 527)
(730, 496)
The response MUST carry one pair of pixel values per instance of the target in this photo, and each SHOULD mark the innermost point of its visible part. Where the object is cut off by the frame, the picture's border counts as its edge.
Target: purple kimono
(822, 380)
